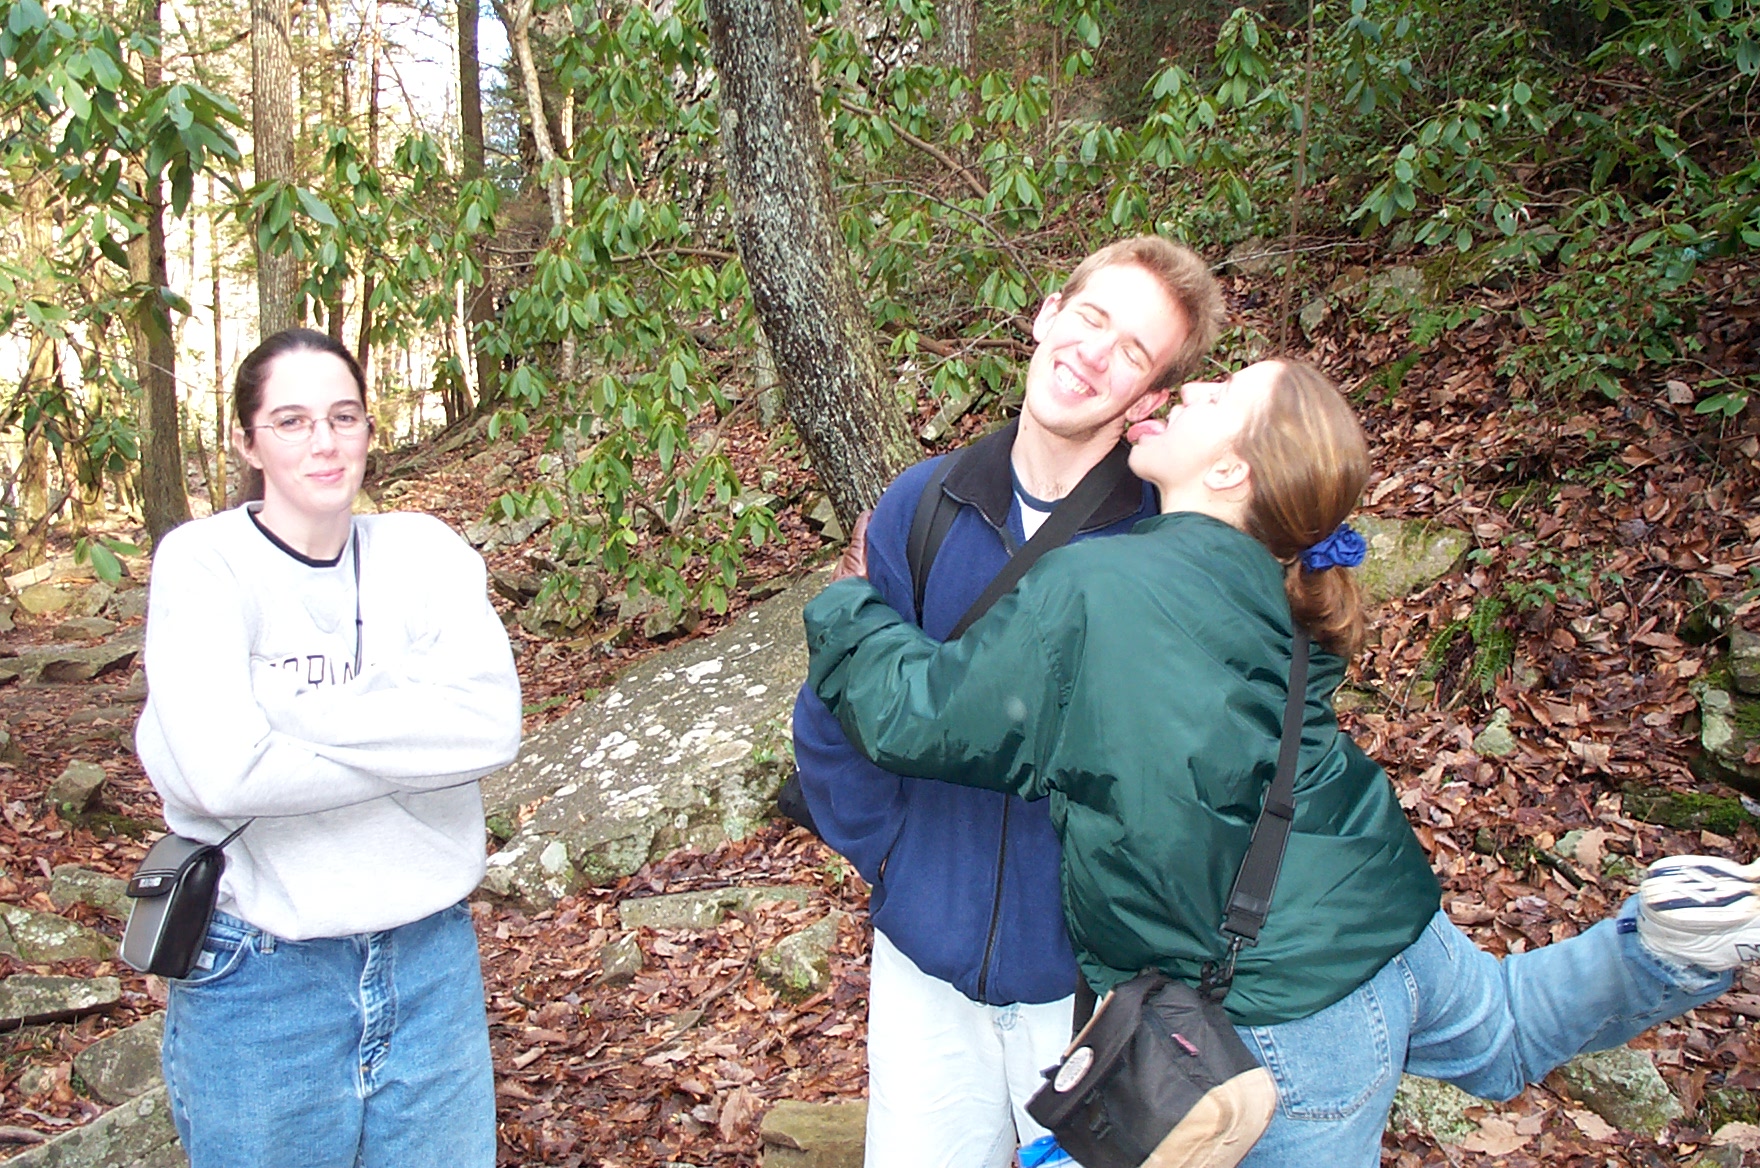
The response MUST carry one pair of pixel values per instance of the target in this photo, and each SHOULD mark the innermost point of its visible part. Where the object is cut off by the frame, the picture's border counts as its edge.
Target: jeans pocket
(1328, 1064)
(223, 950)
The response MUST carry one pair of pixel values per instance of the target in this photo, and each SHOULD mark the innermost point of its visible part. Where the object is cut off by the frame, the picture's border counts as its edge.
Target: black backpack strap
(934, 515)
(1064, 521)
(1250, 900)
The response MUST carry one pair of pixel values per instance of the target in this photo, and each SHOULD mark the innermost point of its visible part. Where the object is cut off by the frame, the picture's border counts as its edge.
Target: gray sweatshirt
(364, 787)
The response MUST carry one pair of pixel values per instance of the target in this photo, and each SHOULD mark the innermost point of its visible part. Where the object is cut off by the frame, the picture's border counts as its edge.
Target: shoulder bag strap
(1250, 900)
(1063, 522)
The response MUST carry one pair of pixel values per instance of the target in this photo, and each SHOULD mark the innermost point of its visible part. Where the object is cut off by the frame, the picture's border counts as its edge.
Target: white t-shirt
(1034, 512)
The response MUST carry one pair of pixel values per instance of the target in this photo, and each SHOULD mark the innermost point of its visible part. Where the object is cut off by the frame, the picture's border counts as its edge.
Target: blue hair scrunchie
(1344, 548)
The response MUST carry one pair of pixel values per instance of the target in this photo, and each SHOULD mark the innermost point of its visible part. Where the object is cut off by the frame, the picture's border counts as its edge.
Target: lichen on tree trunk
(778, 179)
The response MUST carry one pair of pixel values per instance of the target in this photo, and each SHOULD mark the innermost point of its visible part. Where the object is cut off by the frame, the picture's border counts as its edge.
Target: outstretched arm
(982, 711)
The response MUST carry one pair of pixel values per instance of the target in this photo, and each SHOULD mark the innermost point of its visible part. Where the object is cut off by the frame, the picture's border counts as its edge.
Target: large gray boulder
(70, 884)
(137, 1134)
(1406, 555)
(687, 749)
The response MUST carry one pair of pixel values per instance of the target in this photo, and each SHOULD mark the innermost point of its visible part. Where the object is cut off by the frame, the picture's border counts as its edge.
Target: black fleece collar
(984, 478)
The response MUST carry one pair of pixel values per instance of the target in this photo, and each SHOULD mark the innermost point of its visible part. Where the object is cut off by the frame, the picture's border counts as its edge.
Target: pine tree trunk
(778, 179)
(164, 501)
(272, 131)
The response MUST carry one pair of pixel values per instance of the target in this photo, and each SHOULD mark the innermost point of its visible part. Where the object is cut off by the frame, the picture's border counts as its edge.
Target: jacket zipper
(996, 906)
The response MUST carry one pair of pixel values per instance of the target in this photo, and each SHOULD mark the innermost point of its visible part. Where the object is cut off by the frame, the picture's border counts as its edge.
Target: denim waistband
(239, 931)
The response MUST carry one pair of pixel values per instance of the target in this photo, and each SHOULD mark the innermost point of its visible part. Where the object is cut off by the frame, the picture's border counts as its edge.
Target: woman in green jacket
(1139, 684)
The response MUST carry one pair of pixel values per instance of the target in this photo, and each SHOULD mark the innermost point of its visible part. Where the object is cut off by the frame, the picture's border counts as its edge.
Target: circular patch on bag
(1073, 1068)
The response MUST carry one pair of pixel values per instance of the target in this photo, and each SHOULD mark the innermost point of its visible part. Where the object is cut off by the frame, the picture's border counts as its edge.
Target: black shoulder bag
(1158, 1077)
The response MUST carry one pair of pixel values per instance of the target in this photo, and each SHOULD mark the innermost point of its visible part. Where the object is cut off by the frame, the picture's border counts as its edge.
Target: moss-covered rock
(799, 965)
(1623, 1087)
(1729, 730)
(1433, 1109)
(1405, 556)
(688, 749)
(1685, 810)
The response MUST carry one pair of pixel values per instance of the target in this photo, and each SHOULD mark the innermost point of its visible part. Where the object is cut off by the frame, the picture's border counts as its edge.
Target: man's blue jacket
(965, 882)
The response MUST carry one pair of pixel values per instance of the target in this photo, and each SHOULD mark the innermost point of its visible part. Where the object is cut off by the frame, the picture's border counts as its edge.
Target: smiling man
(972, 977)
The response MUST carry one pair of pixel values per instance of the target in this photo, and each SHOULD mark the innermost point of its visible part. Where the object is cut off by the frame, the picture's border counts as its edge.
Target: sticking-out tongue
(1144, 429)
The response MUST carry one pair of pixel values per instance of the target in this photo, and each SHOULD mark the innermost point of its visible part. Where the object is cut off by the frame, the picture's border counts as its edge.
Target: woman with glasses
(335, 685)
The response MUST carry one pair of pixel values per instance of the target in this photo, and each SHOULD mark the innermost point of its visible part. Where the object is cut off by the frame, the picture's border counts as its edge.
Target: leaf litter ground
(1606, 528)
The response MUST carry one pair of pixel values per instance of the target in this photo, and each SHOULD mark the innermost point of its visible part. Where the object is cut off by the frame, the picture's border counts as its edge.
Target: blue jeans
(1447, 1010)
(369, 1050)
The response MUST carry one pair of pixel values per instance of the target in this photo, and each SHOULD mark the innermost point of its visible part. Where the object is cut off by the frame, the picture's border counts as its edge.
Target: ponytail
(1329, 604)
(1309, 462)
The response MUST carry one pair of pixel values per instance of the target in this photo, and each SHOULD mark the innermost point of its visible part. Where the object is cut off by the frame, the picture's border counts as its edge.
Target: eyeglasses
(299, 427)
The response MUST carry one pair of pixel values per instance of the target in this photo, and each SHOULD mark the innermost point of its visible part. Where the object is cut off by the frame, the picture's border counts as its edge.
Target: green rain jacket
(1139, 683)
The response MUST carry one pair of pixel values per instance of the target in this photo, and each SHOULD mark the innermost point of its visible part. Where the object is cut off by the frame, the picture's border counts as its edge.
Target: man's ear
(1047, 313)
(244, 448)
(1146, 404)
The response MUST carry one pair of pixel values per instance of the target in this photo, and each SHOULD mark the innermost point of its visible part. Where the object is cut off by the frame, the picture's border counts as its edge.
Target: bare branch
(971, 180)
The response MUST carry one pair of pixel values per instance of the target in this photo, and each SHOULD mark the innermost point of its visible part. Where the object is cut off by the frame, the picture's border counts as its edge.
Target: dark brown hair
(1188, 283)
(1309, 461)
(253, 374)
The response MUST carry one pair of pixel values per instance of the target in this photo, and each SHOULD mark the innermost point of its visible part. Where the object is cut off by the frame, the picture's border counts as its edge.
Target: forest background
(669, 262)
(555, 242)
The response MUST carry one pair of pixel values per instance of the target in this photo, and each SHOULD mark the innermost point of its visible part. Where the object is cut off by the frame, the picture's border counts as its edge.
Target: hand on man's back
(854, 560)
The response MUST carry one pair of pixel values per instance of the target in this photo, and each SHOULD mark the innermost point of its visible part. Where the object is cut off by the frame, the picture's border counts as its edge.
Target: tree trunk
(778, 180)
(480, 300)
(33, 463)
(332, 104)
(217, 500)
(364, 343)
(959, 21)
(164, 502)
(520, 34)
(557, 185)
(272, 131)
